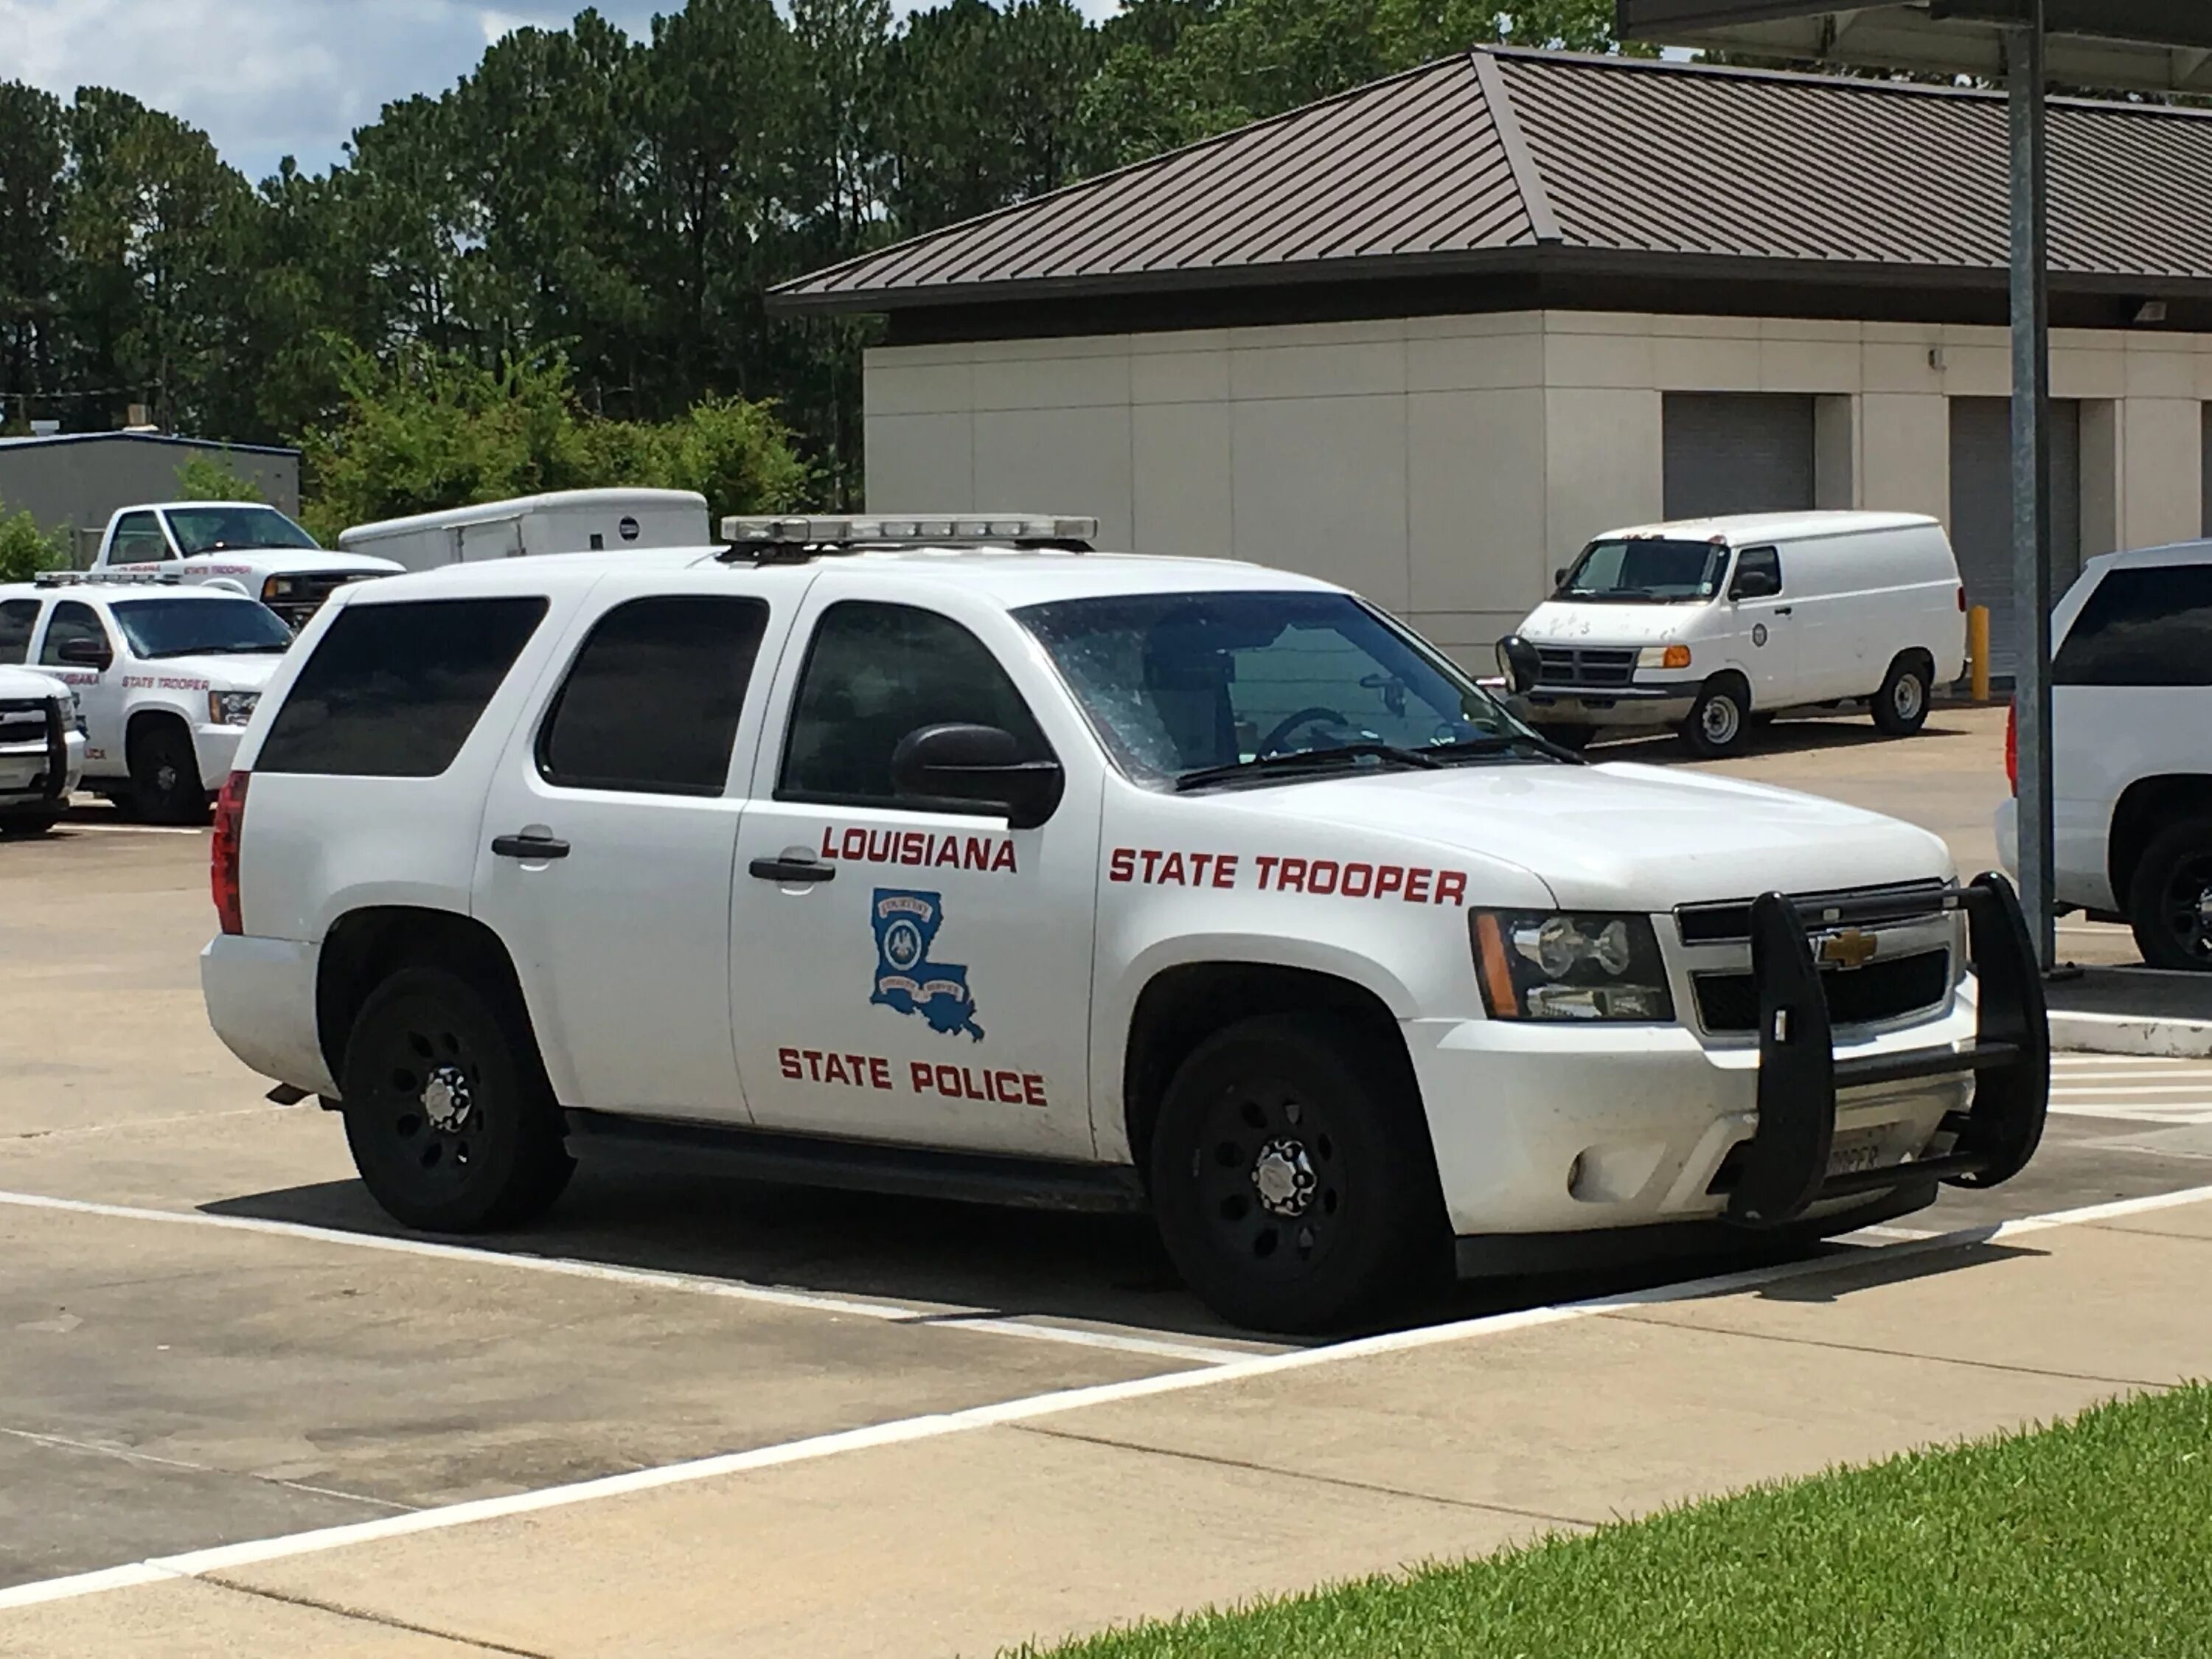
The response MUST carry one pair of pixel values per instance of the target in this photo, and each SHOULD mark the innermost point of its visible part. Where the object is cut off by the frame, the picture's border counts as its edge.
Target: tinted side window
(875, 673)
(1756, 561)
(71, 621)
(17, 618)
(138, 540)
(393, 690)
(2142, 627)
(653, 700)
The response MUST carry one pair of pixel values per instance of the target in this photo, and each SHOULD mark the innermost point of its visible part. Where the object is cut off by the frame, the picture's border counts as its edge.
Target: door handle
(529, 847)
(1784, 610)
(793, 869)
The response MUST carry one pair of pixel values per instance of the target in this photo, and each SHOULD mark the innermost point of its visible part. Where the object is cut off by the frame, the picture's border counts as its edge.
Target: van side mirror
(1755, 585)
(980, 767)
(1519, 662)
(1559, 579)
(85, 653)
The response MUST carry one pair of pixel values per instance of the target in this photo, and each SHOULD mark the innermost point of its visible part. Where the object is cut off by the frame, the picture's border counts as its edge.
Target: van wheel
(452, 1122)
(165, 776)
(1901, 708)
(2170, 900)
(1718, 720)
(1292, 1177)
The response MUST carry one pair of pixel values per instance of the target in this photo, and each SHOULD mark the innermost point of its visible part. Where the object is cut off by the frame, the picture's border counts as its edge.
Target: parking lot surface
(208, 1333)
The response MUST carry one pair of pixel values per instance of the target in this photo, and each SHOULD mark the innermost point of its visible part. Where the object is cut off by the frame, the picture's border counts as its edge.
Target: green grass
(2089, 1541)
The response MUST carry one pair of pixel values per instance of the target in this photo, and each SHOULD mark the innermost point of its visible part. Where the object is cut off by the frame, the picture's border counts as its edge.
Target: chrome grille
(1729, 920)
(1865, 996)
(1585, 665)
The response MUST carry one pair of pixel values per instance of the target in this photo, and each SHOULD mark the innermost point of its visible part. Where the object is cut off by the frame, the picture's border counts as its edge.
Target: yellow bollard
(1978, 651)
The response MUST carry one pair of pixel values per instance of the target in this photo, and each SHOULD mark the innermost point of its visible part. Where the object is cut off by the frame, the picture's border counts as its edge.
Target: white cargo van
(564, 521)
(1709, 624)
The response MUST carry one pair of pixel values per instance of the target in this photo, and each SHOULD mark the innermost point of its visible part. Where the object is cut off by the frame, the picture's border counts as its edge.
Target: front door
(605, 855)
(1767, 639)
(909, 969)
(99, 690)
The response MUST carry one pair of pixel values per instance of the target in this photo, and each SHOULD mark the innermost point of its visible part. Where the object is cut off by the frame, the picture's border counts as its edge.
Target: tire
(500, 1161)
(1719, 721)
(1309, 1106)
(2170, 900)
(27, 825)
(1901, 708)
(165, 776)
(1577, 737)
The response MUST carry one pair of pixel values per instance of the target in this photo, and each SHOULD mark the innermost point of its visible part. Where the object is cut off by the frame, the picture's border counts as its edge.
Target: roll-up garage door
(1737, 452)
(1981, 509)
(2208, 469)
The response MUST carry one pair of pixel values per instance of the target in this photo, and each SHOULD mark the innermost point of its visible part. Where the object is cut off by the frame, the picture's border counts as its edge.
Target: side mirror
(978, 766)
(1559, 579)
(1518, 661)
(85, 653)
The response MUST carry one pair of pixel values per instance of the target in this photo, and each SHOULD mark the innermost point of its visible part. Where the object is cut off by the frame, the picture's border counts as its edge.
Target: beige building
(1145, 346)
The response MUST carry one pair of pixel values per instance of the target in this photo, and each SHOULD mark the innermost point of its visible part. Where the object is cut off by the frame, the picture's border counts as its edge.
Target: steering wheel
(1269, 744)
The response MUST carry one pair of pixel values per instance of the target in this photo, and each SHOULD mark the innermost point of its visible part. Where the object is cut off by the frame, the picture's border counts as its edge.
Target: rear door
(609, 830)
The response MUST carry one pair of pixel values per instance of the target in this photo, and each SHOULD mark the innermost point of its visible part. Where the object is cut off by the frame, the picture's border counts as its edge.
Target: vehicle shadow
(628, 1209)
(1810, 734)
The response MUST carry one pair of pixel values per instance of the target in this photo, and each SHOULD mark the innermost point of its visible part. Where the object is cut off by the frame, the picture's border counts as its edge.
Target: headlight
(1663, 656)
(232, 707)
(1534, 965)
(71, 709)
(277, 587)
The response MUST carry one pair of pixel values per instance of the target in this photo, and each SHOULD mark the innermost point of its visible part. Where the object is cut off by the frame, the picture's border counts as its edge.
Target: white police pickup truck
(244, 547)
(166, 677)
(946, 856)
(42, 749)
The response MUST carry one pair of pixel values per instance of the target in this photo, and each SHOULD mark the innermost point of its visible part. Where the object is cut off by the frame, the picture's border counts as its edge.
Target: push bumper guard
(50, 787)
(1784, 1170)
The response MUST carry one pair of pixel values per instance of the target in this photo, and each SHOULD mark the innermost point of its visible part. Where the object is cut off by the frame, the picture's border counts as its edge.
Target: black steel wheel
(2170, 901)
(1718, 720)
(452, 1123)
(165, 775)
(1291, 1176)
(1901, 708)
(28, 824)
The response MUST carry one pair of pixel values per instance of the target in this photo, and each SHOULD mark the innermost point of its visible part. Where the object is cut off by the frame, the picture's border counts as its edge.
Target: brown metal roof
(1498, 159)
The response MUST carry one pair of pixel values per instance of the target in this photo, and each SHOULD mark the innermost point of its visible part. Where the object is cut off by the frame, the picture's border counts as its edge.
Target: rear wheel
(1901, 708)
(165, 776)
(1292, 1177)
(452, 1123)
(1718, 720)
(2170, 901)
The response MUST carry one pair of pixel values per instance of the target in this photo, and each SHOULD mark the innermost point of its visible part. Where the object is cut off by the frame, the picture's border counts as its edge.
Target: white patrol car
(247, 547)
(41, 751)
(166, 677)
(936, 856)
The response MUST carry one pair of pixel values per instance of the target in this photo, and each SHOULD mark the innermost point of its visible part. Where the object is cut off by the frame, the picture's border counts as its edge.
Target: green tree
(210, 479)
(33, 154)
(26, 549)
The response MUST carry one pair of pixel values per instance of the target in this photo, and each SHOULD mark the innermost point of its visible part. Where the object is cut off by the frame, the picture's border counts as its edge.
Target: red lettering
(921, 1077)
(1151, 858)
(882, 855)
(1417, 885)
(1032, 1088)
(948, 851)
(856, 845)
(879, 1073)
(1172, 871)
(788, 1059)
(1293, 879)
(1198, 863)
(1225, 871)
(1314, 876)
(814, 1064)
(1003, 858)
(948, 1081)
(1365, 872)
(1122, 866)
(828, 851)
(968, 1087)
(833, 1070)
(978, 855)
(1452, 885)
(1006, 1088)
(910, 847)
(1389, 878)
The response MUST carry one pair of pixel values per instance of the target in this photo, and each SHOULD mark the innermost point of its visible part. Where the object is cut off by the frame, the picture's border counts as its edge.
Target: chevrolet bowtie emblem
(1849, 949)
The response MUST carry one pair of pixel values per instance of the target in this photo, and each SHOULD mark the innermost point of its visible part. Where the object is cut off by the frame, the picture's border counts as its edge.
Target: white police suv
(166, 677)
(950, 856)
(41, 751)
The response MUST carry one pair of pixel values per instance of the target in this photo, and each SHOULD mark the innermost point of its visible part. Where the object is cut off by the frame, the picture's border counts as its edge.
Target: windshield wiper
(1504, 744)
(1307, 760)
(214, 651)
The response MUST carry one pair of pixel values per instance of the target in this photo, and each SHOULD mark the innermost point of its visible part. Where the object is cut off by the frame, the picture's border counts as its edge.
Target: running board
(877, 1167)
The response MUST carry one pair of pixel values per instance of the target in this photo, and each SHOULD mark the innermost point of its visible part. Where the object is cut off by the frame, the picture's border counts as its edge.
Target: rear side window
(2150, 626)
(875, 672)
(651, 703)
(137, 540)
(393, 690)
(17, 618)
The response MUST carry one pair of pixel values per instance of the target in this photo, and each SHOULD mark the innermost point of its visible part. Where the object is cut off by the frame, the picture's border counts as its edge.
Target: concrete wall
(1444, 466)
(78, 483)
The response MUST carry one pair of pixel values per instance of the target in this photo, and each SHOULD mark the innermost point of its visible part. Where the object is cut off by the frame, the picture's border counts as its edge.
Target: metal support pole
(2031, 475)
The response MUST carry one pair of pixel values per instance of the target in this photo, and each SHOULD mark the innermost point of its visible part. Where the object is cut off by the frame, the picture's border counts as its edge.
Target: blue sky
(266, 78)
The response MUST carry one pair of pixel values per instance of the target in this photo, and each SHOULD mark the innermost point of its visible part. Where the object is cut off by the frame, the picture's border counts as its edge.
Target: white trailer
(564, 521)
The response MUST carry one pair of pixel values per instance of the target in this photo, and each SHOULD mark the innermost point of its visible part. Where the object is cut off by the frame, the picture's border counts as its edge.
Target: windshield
(189, 628)
(217, 529)
(1644, 571)
(1182, 682)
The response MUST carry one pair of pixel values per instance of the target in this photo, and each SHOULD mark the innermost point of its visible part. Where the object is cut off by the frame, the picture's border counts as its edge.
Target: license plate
(1860, 1149)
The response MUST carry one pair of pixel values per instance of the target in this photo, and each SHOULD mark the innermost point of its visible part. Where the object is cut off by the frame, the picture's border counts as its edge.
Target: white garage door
(1981, 509)
(1737, 452)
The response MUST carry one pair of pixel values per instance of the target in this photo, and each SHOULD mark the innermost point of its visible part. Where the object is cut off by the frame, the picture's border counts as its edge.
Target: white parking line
(2137, 1088)
(68, 827)
(735, 1289)
(223, 1557)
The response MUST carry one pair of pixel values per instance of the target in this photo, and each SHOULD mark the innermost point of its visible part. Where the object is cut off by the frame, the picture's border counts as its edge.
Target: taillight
(2011, 747)
(222, 851)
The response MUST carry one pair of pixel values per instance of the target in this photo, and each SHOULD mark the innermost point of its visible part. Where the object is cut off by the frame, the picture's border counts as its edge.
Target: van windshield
(1647, 572)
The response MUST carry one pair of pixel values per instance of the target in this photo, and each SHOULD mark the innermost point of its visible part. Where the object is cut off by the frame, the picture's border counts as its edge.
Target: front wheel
(1292, 1177)
(165, 776)
(1718, 721)
(1901, 708)
(452, 1123)
(2170, 901)
(28, 824)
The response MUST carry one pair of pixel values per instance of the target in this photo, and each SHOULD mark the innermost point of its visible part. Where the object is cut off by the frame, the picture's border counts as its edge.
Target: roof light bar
(748, 533)
(118, 578)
